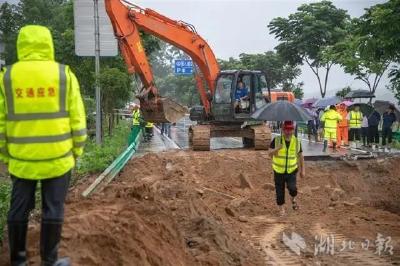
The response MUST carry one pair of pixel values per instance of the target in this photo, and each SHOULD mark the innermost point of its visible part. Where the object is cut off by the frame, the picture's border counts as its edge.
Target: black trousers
(354, 134)
(54, 192)
(386, 133)
(373, 134)
(280, 181)
(365, 135)
(148, 131)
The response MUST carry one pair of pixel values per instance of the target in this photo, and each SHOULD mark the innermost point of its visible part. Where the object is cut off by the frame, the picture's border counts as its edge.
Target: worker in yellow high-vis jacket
(42, 132)
(148, 128)
(136, 124)
(331, 118)
(287, 160)
(355, 118)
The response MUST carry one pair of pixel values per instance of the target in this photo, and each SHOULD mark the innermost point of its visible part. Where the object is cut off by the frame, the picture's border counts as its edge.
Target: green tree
(163, 59)
(276, 69)
(356, 54)
(306, 34)
(115, 92)
(9, 23)
(381, 27)
(343, 92)
(230, 64)
(382, 24)
(394, 86)
(298, 91)
(181, 88)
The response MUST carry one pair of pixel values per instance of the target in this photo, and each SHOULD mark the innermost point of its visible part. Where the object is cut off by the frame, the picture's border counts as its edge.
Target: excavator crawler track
(199, 137)
(262, 137)
(257, 136)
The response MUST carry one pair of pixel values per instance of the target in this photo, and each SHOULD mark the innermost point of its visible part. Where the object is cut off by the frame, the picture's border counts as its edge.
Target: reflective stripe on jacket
(149, 124)
(355, 119)
(42, 117)
(136, 118)
(286, 160)
(331, 119)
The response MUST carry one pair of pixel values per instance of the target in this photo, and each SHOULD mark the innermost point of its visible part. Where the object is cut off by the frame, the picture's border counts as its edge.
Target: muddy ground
(218, 208)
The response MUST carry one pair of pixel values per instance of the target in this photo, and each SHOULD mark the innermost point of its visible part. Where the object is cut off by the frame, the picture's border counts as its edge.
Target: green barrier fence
(115, 167)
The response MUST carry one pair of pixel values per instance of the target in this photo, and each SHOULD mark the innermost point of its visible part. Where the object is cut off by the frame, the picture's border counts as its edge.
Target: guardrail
(115, 167)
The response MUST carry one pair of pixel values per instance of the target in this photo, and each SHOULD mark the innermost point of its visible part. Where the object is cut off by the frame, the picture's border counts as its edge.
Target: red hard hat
(288, 125)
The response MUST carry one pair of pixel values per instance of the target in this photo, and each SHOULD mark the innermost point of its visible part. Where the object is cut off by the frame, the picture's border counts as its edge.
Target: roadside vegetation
(96, 158)
(5, 189)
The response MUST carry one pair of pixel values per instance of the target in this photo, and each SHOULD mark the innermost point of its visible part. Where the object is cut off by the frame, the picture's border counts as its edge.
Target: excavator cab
(238, 94)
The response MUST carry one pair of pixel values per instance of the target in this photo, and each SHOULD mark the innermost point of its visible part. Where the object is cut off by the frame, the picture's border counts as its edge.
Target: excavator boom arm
(128, 20)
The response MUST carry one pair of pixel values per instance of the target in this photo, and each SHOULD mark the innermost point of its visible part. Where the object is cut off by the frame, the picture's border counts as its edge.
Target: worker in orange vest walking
(342, 127)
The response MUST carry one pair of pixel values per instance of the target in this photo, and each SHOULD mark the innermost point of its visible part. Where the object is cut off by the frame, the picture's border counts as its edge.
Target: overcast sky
(232, 27)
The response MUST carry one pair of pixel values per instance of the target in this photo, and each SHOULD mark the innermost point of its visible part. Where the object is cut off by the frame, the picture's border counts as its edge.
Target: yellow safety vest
(149, 124)
(331, 119)
(355, 119)
(42, 117)
(136, 118)
(286, 160)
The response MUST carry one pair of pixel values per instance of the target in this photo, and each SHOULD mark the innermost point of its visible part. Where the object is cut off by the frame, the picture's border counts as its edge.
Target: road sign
(183, 67)
(85, 30)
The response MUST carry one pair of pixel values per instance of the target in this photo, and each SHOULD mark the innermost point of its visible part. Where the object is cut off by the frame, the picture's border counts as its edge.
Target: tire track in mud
(355, 256)
(270, 241)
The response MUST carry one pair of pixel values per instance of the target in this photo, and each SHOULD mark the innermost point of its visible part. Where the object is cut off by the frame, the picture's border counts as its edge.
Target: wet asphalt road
(179, 136)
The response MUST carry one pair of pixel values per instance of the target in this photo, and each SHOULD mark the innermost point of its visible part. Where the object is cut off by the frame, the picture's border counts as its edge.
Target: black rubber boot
(17, 242)
(50, 236)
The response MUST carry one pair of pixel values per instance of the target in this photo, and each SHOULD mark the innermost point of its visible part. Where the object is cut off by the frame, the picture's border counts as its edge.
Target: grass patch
(96, 158)
(5, 194)
(396, 144)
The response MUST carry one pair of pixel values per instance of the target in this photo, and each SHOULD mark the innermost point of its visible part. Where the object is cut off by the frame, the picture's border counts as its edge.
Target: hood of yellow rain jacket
(35, 43)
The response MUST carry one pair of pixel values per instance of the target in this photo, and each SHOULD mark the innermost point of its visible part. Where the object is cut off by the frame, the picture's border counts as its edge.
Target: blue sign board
(183, 67)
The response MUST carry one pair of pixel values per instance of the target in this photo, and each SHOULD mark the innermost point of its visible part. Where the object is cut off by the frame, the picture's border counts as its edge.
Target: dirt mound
(218, 208)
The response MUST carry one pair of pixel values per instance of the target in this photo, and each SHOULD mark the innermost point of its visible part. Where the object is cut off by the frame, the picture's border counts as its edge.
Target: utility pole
(97, 71)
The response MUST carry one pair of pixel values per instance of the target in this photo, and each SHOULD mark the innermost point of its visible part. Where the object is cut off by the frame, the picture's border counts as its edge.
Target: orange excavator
(224, 112)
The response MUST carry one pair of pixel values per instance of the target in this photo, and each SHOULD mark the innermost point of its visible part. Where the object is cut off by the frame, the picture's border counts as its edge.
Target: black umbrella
(382, 106)
(281, 111)
(359, 94)
(365, 109)
(322, 103)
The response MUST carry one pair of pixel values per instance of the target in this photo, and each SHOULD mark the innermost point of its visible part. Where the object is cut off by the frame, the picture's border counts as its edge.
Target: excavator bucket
(161, 110)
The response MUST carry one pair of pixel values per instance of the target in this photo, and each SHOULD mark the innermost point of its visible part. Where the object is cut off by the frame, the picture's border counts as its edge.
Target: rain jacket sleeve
(3, 144)
(339, 117)
(77, 115)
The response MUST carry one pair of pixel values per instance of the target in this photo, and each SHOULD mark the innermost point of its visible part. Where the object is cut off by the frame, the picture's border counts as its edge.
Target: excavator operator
(241, 97)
